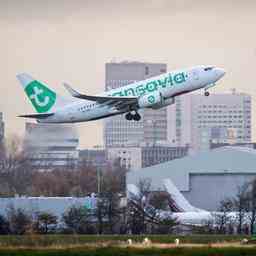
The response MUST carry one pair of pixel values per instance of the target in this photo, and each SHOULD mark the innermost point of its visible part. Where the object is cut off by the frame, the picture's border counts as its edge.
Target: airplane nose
(220, 72)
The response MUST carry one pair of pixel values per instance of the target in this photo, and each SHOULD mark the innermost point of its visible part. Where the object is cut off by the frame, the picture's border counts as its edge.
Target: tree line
(110, 216)
(236, 214)
(113, 213)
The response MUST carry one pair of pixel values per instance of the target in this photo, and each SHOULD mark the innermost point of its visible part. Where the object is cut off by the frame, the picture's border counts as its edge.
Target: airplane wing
(118, 102)
(37, 116)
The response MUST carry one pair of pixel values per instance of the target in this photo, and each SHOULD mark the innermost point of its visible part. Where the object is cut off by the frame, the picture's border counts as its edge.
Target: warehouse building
(53, 205)
(205, 178)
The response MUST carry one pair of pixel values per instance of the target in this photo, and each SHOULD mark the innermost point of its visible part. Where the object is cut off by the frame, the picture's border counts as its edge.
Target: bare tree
(241, 205)
(149, 211)
(222, 217)
(252, 204)
(136, 207)
(4, 225)
(45, 222)
(77, 219)
(20, 220)
(15, 170)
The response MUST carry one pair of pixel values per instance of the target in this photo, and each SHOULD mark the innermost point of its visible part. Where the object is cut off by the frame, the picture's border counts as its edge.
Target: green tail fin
(42, 98)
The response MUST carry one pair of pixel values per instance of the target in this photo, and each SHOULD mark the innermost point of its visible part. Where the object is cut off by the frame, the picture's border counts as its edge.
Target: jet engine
(154, 100)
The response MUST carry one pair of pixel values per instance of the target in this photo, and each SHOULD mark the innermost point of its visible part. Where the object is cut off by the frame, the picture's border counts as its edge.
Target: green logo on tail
(41, 97)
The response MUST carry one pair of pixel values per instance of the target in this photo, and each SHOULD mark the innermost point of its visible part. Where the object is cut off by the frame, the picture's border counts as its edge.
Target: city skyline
(72, 40)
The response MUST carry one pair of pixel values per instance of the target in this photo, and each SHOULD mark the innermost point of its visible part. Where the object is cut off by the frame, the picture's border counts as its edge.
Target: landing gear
(136, 117)
(206, 93)
(129, 116)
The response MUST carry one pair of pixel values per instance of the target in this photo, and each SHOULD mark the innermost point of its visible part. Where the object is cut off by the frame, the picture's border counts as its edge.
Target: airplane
(155, 92)
(180, 208)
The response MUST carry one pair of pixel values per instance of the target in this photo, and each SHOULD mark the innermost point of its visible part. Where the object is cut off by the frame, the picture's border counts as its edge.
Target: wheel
(206, 94)
(129, 116)
(136, 117)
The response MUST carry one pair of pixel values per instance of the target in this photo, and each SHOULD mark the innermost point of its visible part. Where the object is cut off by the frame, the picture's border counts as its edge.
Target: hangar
(205, 178)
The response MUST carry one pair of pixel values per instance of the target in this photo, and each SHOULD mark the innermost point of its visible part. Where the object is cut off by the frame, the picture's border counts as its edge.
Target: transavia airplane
(155, 92)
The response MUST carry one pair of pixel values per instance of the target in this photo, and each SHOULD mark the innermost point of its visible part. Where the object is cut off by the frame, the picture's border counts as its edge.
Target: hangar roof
(222, 160)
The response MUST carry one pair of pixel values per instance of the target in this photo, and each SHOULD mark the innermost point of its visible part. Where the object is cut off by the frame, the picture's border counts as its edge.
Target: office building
(197, 120)
(153, 125)
(156, 154)
(51, 145)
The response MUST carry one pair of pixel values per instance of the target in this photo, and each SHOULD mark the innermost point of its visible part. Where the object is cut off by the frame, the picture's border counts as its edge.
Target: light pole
(98, 180)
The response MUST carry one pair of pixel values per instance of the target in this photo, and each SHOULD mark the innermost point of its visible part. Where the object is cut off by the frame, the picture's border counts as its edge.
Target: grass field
(32, 241)
(111, 251)
(109, 245)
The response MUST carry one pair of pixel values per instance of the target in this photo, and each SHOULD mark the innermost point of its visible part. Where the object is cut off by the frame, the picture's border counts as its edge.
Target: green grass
(110, 251)
(33, 241)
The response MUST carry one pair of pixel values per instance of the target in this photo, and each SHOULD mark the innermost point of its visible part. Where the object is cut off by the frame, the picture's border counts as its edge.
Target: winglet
(73, 92)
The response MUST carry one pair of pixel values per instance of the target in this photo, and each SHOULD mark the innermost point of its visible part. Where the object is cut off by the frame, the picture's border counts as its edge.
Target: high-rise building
(1, 128)
(153, 125)
(51, 145)
(198, 121)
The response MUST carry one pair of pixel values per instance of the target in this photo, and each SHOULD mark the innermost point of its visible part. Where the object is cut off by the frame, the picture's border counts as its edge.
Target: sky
(71, 40)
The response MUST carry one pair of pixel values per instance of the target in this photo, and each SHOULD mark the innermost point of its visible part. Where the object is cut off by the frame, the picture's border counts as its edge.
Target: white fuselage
(169, 85)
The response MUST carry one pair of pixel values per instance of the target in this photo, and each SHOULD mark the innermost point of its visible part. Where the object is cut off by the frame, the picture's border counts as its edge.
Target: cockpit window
(208, 68)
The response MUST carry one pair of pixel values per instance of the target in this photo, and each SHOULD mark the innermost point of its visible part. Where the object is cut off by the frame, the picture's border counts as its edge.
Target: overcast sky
(71, 40)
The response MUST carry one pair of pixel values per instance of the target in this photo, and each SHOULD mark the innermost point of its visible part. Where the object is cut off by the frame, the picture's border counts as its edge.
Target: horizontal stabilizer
(37, 116)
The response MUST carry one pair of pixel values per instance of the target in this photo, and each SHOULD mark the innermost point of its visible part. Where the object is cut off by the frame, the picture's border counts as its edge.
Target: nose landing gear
(136, 117)
(206, 93)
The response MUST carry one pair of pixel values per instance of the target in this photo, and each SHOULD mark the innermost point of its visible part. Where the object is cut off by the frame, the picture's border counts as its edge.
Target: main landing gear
(136, 117)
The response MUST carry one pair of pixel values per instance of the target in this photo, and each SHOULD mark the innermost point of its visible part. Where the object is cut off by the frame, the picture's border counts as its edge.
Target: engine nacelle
(150, 100)
(154, 100)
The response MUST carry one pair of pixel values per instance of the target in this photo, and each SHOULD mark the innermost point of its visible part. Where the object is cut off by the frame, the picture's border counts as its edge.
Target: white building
(130, 157)
(197, 120)
(153, 125)
(51, 145)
